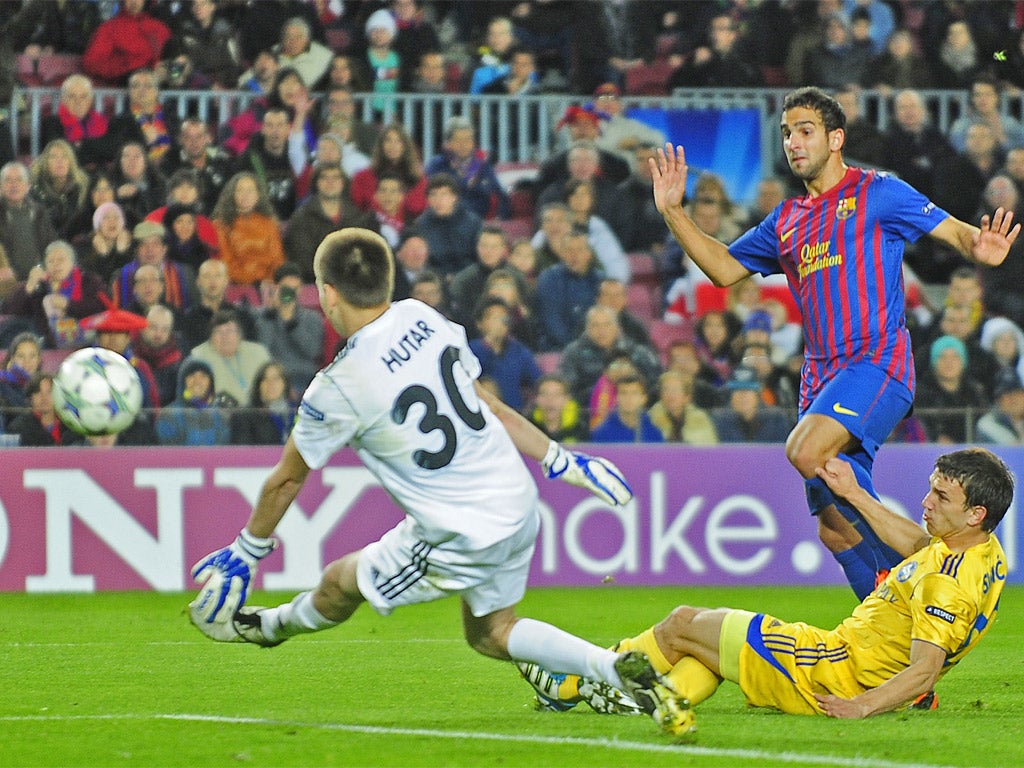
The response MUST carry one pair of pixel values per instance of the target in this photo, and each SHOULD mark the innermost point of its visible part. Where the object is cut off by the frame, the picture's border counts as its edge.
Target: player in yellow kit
(914, 627)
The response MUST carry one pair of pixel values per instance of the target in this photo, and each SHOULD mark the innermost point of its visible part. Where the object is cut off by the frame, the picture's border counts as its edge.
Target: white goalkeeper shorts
(400, 569)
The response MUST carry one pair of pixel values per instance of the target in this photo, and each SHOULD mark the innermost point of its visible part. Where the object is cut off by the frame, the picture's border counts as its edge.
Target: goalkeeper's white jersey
(401, 393)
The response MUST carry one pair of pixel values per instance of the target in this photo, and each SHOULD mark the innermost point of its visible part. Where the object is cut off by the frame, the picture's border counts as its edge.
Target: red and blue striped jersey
(842, 254)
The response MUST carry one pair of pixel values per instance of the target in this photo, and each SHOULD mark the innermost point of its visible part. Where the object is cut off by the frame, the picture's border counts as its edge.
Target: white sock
(558, 651)
(295, 618)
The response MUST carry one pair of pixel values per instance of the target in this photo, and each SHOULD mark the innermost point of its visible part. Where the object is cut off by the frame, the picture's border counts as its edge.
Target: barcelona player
(928, 613)
(840, 247)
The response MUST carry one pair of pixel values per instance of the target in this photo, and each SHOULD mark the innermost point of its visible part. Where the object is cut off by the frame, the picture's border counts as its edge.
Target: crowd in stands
(188, 247)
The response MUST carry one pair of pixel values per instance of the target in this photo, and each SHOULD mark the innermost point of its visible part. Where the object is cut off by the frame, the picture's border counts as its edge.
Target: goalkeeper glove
(597, 475)
(225, 576)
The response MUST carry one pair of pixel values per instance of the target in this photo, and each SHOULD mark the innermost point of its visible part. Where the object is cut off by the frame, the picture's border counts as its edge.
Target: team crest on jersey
(846, 207)
(906, 572)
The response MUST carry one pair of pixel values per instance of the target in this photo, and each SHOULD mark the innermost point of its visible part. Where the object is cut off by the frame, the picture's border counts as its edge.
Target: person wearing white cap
(381, 56)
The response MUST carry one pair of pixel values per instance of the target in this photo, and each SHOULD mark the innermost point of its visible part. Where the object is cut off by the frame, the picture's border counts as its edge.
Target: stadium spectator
(100, 190)
(145, 120)
(389, 208)
(839, 58)
(39, 426)
(467, 285)
(715, 332)
(335, 149)
(612, 294)
(959, 60)
(151, 248)
(676, 415)
(548, 240)
(411, 257)
(113, 329)
(745, 418)
(147, 290)
(138, 186)
(61, 27)
(194, 417)
(1007, 131)
(209, 42)
(583, 164)
(521, 79)
(502, 356)
(299, 51)
(809, 34)
(157, 344)
(184, 244)
(864, 142)
(294, 95)
(55, 297)
(555, 413)
(479, 187)
(415, 35)
(915, 146)
(292, 333)
(573, 163)
(1003, 423)
(449, 226)
(60, 184)
(628, 422)
(899, 67)
(268, 414)
(393, 152)
(25, 228)
(1003, 339)
(233, 360)
(603, 394)
(384, 62)
(580, 197)
(275, 159)
(585, 358)
(429, 287)
(682, 356)
(78, 122)
(961, 178)
(248, 235)
(347, 71)
(723, 62)
(260, 77)
(770, 192)
(196, 152)
(260, 25)
(109, 246)
(505, 284)
(492, 60)
(327, 210)
(183, 191)
(636, 222)
(23, 359)
(946, 389)
(130, 41)
(565, 291)
(338, 115)
(211, 290)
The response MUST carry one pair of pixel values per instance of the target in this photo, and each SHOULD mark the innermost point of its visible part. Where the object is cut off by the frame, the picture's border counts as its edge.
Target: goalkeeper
(403, 394)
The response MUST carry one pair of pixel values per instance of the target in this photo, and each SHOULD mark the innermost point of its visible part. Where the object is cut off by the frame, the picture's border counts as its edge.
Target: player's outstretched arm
(926, 660)
(599, 476)
(669, 172)
(988, 244)
(225, 575)
(903, 535)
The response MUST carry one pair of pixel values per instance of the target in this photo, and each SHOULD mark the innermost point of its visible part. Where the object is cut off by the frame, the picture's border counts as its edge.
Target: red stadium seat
(649, 79)
(664, 334)
(237, 293)
(642, 302)
(517, 229)
(309, 296)
(548, 361)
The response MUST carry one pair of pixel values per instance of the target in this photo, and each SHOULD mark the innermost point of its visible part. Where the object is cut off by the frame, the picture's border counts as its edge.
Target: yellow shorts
(782, 666)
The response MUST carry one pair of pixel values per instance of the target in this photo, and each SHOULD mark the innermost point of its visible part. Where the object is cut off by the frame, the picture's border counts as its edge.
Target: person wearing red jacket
(129, 41)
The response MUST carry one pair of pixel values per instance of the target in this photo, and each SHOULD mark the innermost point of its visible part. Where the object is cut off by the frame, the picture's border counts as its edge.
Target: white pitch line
(770, 758)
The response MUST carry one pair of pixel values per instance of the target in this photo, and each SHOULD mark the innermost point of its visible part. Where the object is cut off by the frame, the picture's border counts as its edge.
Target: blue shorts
(867, 401)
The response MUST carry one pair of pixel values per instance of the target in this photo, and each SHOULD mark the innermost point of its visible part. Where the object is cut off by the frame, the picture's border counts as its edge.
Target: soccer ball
(97, 392)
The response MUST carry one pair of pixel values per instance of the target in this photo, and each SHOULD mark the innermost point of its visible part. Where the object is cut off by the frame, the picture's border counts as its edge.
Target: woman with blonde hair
(248, 233)
(59, 183)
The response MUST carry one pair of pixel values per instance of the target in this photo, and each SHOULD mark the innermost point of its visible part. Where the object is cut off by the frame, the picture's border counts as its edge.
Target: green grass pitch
(123, 679)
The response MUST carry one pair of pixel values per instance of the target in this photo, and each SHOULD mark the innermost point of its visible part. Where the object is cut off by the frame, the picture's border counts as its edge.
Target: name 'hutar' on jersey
(410, 342)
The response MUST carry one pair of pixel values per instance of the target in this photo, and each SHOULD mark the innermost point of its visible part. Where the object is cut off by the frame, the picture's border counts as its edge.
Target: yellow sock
(645, 642)
(692, 679)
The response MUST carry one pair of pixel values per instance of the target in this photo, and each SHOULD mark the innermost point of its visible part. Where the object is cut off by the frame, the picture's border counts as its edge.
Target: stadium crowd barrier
(513, 130)
(71, 520)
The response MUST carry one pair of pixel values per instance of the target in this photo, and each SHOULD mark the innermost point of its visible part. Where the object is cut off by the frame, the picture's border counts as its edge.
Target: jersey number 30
(431, 419)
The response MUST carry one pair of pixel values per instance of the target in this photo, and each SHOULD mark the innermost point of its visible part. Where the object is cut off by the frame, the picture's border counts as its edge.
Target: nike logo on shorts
(837, 408)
